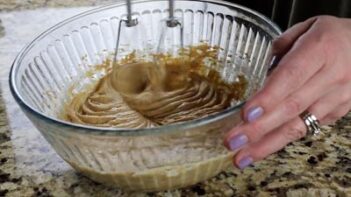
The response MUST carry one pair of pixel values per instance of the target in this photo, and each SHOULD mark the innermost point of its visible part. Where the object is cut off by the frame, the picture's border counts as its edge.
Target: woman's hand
(314, 74)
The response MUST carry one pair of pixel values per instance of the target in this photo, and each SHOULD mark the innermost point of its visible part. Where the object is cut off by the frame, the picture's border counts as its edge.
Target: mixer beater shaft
(171, 32)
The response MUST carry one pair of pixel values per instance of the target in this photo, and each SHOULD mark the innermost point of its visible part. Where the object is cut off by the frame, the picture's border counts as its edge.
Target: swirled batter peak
(137, 93)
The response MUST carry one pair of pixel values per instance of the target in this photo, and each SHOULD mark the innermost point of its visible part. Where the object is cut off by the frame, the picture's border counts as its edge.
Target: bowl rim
(80, 128)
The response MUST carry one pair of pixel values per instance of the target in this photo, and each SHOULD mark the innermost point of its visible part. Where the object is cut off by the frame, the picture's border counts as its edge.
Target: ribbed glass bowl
(150, 159)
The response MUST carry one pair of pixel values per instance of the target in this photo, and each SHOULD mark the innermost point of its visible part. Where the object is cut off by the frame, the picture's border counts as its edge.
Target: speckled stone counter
(318, 166)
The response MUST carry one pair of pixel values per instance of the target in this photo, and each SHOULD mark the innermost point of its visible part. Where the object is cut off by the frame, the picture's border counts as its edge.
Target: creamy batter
(141, 94)
(150, 92)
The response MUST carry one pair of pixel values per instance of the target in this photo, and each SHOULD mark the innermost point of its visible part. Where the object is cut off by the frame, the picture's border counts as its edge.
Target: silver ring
(311, 122)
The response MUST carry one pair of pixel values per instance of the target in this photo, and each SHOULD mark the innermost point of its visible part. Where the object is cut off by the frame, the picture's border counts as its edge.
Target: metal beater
(171, 35)
(128, 23)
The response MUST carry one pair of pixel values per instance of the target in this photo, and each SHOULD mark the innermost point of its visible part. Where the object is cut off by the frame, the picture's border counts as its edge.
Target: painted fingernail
(244, 162)
(254, 114)
(238, 141)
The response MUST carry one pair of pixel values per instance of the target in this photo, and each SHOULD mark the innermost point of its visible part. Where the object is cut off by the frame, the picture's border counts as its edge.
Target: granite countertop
(316, 166)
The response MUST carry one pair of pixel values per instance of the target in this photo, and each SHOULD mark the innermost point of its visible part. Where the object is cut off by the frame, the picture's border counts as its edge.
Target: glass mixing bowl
(150, 159)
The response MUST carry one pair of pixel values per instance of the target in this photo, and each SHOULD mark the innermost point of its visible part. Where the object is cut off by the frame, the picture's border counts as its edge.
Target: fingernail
(238, 141)
(244, 162)
(254, 114)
